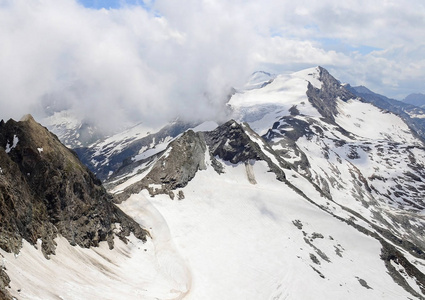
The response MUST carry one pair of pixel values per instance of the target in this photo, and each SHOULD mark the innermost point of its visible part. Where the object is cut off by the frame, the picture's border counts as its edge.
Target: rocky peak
(324, 99)
(45, 191)
(181, 160)
(231, 142)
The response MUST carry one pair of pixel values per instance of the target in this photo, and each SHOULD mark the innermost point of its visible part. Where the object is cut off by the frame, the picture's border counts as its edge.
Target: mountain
(128, 150)
(47, 193)
(414, 116)
(417, 99)
(308, 191)
(303, 149)
(71, 130)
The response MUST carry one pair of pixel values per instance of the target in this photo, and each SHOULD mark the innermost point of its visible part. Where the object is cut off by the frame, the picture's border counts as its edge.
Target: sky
(118, 62)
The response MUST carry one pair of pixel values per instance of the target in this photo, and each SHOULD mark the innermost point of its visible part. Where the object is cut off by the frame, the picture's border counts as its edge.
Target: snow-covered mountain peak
(311, 75)
(312, 92)
(71, 130)
(258, 79)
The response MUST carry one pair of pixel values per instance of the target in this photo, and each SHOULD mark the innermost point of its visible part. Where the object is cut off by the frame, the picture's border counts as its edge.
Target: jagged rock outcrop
(323, 99)
(231, 143)
(186, 155)
(111, 158)
(182, 159)
(234, 142)
(4, 282)
(45, 191)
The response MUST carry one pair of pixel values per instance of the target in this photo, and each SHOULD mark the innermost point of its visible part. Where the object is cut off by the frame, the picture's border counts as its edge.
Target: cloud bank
(152, 61)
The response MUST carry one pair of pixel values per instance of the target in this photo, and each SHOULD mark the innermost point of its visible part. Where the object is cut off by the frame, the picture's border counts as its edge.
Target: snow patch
(311, 75)
(14, 143)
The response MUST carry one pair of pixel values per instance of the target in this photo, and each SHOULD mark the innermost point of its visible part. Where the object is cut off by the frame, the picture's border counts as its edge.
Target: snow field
(239, 242)
(368, 121)
(136, 270)
(263, 106)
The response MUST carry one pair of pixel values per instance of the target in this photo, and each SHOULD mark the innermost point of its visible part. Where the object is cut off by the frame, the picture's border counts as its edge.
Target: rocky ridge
(193, 151)
(45, 191)
(114, 156)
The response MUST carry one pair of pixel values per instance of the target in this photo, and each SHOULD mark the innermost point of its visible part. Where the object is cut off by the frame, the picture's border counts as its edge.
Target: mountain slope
(272, 231)
(414, 116)
(309, 192)
(114, 155)
(417, 99)
(72, 131)
(46, 193)
(355, 163)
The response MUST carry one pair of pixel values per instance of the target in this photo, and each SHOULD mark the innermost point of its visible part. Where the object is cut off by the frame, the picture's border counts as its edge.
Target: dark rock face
(4, 282)
(390, 254)
(324, 99)
(231, 143)
(119, 161)
(45, 191)
(184, 157)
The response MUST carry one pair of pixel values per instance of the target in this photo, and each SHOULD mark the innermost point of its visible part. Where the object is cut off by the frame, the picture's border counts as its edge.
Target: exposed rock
(314, 259)
(4, 282)
(391, 254)
(180, 195)
(120, 154)
(298, 224)
(182, 159)
(363, 283)
(186, 155)
(45, 191)
(231, 142)
(324, 99)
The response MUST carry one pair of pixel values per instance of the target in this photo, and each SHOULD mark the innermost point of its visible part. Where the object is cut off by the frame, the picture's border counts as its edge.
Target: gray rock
(45, 191)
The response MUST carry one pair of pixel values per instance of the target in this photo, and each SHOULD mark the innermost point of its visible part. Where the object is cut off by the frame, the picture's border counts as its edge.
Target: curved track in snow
(169, 262)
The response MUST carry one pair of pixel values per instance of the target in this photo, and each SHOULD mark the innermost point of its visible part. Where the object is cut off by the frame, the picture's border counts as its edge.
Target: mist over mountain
(308, 181)
(117, 63)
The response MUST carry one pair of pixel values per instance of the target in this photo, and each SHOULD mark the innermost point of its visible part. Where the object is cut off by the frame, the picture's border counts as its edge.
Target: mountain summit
(46, 192)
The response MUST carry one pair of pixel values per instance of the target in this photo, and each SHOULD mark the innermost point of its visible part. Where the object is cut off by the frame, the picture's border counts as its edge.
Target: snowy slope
(265, 239)
(116, 155)
(323, 199)
(71, 130)
(365, 159)
(263, 106)
(235, 234)
(135, 270)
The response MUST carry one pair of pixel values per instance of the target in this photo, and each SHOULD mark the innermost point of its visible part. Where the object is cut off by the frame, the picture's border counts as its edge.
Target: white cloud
(182, 57)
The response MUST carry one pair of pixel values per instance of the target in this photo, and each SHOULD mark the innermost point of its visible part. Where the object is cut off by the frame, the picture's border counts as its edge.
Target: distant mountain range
(413, 115)
(416, 99)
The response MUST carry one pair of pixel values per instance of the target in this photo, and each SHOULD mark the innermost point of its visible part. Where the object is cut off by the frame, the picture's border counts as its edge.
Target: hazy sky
(152, 60)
